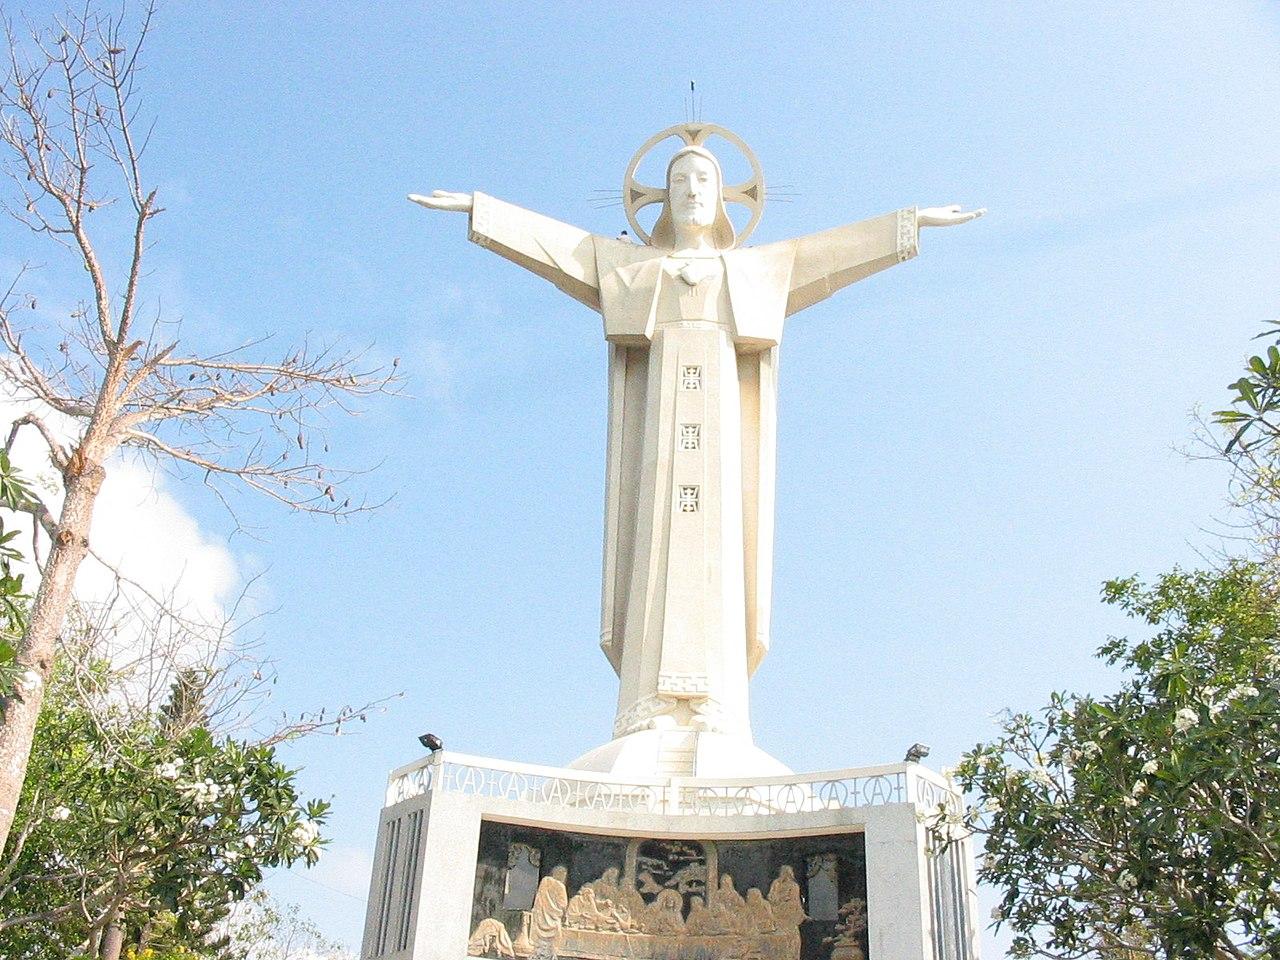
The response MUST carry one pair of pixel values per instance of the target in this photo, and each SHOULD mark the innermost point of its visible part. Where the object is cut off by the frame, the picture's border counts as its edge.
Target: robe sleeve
(831, 260)
(555, 251)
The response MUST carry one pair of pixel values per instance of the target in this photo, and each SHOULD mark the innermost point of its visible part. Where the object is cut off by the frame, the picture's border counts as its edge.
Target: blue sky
(969, 443)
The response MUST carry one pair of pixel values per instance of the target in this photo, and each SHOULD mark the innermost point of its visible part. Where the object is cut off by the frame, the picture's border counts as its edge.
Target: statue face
(693, 188)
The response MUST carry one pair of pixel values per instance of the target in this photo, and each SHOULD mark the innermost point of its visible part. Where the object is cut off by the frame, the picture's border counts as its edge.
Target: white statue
(490, 937)
(784, 899)
(694, 323)
(548, 912)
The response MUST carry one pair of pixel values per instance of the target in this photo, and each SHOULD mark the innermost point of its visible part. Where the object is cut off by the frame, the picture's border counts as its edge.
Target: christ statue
(693, 323)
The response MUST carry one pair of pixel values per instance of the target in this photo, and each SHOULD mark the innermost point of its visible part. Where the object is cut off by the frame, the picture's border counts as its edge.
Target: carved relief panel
(593, 897)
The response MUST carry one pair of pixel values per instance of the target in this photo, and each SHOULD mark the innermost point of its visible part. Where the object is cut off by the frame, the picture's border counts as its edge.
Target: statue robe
(547, 915)
(693, 343)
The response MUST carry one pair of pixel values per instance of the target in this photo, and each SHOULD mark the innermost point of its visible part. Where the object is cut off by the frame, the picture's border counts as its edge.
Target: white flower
(1130, 802)
(29, 681)
(992, 805)
(1216, 708)
(168, 771)
(1139, 788)
(203, 792)
(1041, 776)
(305, 833)
(60, 813)
(1126, 880)
(1185, 719)
(988, 861)
(251, 841)
(1089, 749)
(1242, 690)
(997, 912)
(1150, 767)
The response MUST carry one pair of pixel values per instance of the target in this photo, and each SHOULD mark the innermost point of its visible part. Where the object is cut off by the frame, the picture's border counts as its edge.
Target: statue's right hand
(444, 200)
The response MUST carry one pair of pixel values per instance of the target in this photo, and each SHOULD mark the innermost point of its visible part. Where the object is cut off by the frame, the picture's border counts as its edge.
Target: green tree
(1252, 445)
(143, 826)
(14, 495)
(1146, 823)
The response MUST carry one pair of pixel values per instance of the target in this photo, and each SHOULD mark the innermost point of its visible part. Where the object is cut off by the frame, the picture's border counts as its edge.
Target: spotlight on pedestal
(916, 752)
(434, 743)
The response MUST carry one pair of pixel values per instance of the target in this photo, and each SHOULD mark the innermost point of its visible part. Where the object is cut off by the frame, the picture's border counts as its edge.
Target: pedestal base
(680, 753)
(510, 860)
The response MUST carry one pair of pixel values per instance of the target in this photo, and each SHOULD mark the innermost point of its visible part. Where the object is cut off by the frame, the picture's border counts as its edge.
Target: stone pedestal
(681, 753)
(463, 843)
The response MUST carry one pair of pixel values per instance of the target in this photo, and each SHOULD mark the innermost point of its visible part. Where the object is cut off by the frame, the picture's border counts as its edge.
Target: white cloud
(140, 529)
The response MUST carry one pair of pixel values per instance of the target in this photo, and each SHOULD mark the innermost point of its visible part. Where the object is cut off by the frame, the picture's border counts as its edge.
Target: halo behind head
(723, 236)
(750, 193)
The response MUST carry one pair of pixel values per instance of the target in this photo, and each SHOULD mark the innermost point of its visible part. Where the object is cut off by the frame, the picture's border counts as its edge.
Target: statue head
(560, 873)
(695, 200)
(726, 882)
(610, 876)
(754, 896)
(786, 873)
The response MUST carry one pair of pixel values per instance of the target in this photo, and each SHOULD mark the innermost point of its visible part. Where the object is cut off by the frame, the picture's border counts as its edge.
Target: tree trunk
(36, 650)
(112, 942)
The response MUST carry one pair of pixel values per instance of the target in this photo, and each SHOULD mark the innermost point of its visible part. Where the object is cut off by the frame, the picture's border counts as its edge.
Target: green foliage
(171, 822)
(1251, 446)
(186, 707)
(1148, 820)
(1257, 401)
(13, 601)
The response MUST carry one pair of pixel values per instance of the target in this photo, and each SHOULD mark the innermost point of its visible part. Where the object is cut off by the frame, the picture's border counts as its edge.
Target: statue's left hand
(947, 216)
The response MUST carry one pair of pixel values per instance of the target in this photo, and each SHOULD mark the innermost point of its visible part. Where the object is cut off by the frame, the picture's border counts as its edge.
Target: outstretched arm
(831, 260)
(555, 251)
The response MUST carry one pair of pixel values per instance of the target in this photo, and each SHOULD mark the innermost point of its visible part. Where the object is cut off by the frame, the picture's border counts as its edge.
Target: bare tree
(69, 123)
